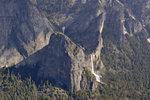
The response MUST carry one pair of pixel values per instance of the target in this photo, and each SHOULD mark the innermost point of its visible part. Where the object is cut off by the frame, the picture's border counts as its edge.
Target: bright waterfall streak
(148, 40)
(63, 29)
(97, 76)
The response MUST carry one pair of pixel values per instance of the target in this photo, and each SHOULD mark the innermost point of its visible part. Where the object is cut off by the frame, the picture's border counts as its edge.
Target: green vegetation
(127, 67)
(12, 87)
(15, 87)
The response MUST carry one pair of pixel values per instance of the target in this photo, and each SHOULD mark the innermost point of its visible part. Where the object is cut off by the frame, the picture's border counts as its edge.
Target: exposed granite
(63, 61)
(23, 29)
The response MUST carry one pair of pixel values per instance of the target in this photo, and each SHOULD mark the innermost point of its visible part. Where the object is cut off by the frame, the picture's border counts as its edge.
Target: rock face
(84, 24)
(28, 37)
(62, 60)
(23, 29)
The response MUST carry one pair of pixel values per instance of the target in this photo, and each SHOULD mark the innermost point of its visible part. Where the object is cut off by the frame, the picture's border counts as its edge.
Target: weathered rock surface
(83, 25)
(63, 61)
(23, 29)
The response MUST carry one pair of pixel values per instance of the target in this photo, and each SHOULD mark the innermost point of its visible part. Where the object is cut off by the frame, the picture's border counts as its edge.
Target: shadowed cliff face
(84, 23)
(64, 62)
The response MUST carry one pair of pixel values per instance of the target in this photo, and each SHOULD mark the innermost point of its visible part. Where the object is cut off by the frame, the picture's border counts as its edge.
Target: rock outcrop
(84, 25)
(63, 61)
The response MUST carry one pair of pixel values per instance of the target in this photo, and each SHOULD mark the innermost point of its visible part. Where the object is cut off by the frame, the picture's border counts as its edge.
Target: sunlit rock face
(23, 29)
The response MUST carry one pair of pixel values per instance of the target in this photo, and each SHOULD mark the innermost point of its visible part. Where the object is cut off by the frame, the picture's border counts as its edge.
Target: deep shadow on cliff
(27, 71)
(61, 62)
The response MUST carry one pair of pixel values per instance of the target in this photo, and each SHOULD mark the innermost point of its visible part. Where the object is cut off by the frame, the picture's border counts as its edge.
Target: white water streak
(63, 29)
(124, 30)
(148, 40)
(97, 76)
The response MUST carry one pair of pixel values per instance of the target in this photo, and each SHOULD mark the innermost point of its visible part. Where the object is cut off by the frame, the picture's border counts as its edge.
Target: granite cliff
(24, 31)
